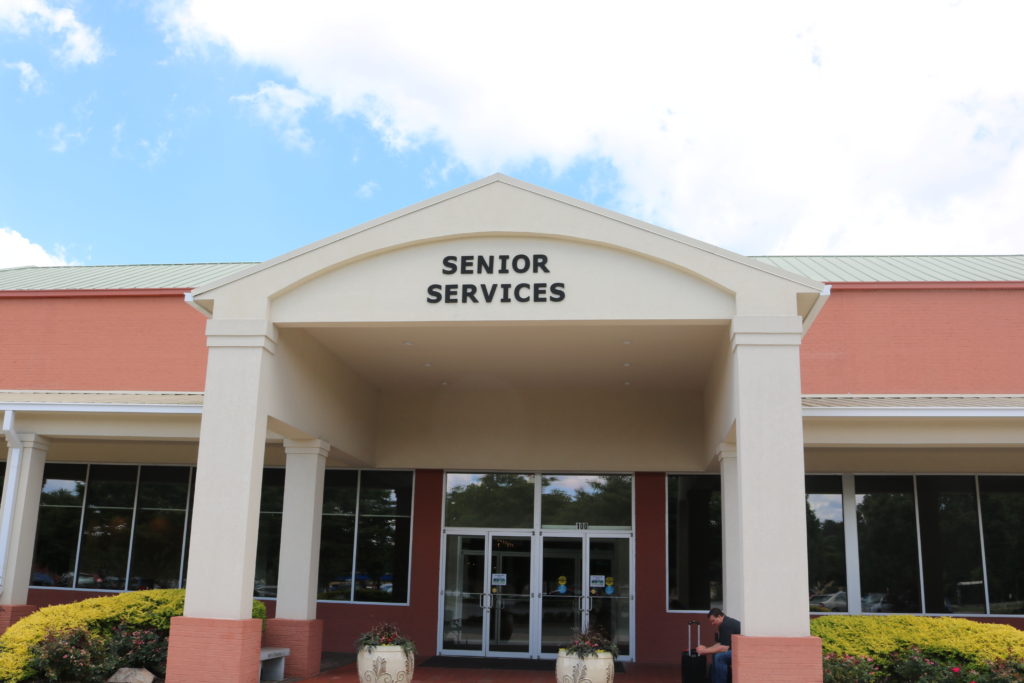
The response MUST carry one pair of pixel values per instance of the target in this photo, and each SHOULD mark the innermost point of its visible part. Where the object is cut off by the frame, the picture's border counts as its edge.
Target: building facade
(502, 414)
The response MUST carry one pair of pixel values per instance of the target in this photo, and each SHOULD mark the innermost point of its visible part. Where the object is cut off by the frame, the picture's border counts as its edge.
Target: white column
(770, 476)
(232, 441)
(300, 528)
(732, 549)
(23, 483)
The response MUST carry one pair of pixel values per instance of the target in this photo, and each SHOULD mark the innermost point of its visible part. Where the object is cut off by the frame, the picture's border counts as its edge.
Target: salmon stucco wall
(119, 342)
(917, 340)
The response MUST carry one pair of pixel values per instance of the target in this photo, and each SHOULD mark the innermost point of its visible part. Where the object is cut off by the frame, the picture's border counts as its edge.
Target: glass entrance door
(586, 582)
(487, 596)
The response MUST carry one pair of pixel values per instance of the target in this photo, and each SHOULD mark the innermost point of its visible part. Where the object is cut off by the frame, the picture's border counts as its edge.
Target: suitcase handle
(689, 634)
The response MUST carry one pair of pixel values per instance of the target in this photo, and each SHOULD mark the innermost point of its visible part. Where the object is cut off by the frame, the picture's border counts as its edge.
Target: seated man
(721, 651)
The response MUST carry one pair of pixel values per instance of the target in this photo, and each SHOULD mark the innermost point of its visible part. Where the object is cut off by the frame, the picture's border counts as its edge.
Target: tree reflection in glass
(826, 548)
(887, 542)
(602, 501)
(493, 500)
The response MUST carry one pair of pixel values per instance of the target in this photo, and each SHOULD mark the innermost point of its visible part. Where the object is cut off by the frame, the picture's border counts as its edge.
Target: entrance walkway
(634, 673)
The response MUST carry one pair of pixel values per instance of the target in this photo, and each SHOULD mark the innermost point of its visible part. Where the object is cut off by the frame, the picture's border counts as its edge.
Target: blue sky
(194, 131)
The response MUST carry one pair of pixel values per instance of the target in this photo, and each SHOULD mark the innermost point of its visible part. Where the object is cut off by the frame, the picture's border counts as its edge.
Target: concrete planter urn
(385, 664)
(595, 668)
(384, 655)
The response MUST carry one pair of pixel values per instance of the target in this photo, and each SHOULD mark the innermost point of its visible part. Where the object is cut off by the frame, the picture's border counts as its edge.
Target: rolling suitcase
(694, 666)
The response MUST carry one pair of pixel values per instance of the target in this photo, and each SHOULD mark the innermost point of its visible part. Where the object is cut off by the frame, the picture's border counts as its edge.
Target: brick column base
(305, 638)
(757, 659)
(9, 614)
(214, 650)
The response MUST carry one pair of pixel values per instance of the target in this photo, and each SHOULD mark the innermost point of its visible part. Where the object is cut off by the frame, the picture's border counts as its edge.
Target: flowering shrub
(385, 634)
(73, 654)
(843, 668)
(588, 643)
(142, 648)
(100, 617)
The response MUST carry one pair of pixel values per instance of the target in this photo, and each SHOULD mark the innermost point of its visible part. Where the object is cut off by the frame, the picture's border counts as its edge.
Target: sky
(187, 131)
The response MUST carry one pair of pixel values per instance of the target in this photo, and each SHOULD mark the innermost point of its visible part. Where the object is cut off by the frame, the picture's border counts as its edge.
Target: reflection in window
(365, 536)
(494, 500)
(887, 543)
(60, 520)
(96, 513)
(826, 546)
(1002, 510)
(694, 542)
(601, 501)
(106, 527)
(950, 545)
(268, 545)
(159, 528)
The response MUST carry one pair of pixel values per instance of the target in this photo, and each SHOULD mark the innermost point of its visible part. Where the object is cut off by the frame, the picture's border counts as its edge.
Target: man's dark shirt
(730, 627)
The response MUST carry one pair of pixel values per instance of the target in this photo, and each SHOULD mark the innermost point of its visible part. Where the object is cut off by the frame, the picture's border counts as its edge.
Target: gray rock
(126, 675)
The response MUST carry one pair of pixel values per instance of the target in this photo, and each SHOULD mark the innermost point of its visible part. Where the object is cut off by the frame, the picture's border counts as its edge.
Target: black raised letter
(557, 291)
(434, 294)
(449, 264)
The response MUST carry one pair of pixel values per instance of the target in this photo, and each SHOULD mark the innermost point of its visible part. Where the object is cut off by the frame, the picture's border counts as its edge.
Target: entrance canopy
(507, 311)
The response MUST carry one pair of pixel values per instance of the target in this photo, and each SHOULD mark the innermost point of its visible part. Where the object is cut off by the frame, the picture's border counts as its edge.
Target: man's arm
(711, 649)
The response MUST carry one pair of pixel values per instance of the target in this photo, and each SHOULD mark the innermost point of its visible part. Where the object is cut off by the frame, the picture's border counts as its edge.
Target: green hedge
(944, 638)
(100, 616)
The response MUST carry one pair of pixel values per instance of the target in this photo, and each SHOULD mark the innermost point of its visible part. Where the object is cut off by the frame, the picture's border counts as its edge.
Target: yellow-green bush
(942, 637)
(141, 609)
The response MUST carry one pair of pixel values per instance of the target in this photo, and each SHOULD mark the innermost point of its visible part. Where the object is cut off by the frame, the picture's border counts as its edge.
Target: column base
(757, 659)
(10, 614)
(305, 638)
(214, 650)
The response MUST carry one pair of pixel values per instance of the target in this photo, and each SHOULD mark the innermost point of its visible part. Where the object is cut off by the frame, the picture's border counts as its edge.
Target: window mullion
(981, 542)
(853, 595)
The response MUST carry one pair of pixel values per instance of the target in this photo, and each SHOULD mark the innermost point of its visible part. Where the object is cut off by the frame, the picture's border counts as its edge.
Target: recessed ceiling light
(407, 343)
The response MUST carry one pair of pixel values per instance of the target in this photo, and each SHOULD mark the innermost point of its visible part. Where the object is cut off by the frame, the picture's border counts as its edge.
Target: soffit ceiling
(599, 356)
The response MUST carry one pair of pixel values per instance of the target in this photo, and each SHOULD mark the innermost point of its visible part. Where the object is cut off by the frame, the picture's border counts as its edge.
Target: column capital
(766, 330)
(307, 447)
(241, 334)
(36, 442)
(725, 451)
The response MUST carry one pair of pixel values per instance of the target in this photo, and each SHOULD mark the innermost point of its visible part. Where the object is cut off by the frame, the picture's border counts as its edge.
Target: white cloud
(60, 137)
(367, 189)
(282, 108)
(81, 43)
(28, 78)
(786, 127)
(16, 250)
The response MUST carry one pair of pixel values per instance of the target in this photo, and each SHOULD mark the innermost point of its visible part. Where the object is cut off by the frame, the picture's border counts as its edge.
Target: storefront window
(97, 513)
(600, 501)
(694, 542)
(1002, 511)
(826, 547)
(60, 521)
(268, 546)
(159, 528)
(496, 500)
(950, 545)
(365, 536)
(887, 544)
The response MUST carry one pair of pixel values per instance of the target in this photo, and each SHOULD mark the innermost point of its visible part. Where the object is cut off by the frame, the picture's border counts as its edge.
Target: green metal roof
(174, 276)
(821, 268)
(902, 268)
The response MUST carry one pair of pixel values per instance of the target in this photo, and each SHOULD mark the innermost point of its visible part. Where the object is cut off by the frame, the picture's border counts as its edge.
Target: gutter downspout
(10, 490)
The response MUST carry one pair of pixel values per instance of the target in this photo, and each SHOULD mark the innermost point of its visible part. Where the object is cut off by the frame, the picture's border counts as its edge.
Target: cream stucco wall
(517, 428)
